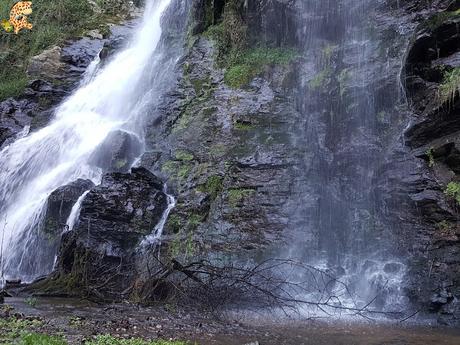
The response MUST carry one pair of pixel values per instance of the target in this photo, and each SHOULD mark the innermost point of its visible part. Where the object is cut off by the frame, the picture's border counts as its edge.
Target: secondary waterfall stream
(31, 168)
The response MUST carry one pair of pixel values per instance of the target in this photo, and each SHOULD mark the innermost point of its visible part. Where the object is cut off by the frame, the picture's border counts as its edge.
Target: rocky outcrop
(53, 74)
(60, 204)
(98, 256)
(434, 137)
(117, 152)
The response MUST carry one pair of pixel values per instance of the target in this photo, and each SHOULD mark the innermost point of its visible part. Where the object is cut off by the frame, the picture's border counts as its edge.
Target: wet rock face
(117, 152)
(434, 135)
(225, 153)
(60, 204)
(116, 214)
(101, 249)
(53, 75)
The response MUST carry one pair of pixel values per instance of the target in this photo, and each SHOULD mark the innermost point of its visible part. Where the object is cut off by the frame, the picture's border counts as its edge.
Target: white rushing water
(112, 98)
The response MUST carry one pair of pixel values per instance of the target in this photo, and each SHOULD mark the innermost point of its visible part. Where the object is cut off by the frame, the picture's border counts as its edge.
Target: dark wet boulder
(117, 152)
(101, 249)
(60, 204)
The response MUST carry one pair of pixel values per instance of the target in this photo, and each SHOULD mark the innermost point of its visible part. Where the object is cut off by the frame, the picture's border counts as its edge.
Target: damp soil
(79, 320)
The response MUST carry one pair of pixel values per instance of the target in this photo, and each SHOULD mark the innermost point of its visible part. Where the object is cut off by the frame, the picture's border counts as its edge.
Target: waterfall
(112, 98)
(341, 222)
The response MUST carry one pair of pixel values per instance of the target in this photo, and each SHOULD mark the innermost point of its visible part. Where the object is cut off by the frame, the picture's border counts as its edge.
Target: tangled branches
(274, 284)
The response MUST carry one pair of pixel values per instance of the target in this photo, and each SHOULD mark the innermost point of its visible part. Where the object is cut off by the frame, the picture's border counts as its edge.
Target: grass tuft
(54, 22)
(453, 190)
(450, 86)
(110, 340)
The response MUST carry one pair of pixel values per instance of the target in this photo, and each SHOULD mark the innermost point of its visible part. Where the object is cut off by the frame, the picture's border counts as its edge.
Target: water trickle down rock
(60, 204)
(114, 218)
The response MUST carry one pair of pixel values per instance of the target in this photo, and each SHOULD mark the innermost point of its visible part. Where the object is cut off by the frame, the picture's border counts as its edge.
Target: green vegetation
(443, 226)
(438, 19)
(12, 328)
(174, 223)
(54, 22)
(343, 78)
(321, 79)
(27, 332)
(184, 156)
(183, 172)
(31, 301)
(453, 190)
(110, 340)
(429, 154)
(41, 339)
(212, 187)
(235, 196)
(243, 126)
(242, 64)
(242, 68)
(328, 51)
(217, 150)
(450, 86)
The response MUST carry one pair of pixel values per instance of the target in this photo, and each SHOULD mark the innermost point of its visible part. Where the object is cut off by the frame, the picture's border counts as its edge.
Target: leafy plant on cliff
(243, 67)
(430, 155)
(450, 86)
(453, 190)
(438, 19)
(235, 196)
(54, 22)
(242, 64)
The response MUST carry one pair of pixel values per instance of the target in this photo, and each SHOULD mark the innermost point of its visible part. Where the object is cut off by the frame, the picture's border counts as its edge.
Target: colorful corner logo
(18, 17)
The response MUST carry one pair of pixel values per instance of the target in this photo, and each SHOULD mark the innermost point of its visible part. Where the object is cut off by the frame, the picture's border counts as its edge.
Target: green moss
(175, 223)
(218, 150)
(209, 111)
(184, 156)
(453, 190)
(443, 226)
(235, 196)
(183, 172)
(198, 85)
(244, 66)
(321, 79)
(169, 167)
(194, 220)
(243, 126)
(213, 186)
(238, 76)
(343, 78)
(450, 85)
(438, 19)
(120, 163)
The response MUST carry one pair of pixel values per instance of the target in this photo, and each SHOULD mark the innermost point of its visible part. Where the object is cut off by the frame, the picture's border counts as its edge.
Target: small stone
(95, 34)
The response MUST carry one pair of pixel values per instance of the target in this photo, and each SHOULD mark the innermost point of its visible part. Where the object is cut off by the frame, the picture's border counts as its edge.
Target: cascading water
(341, 219)
(113, 98)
